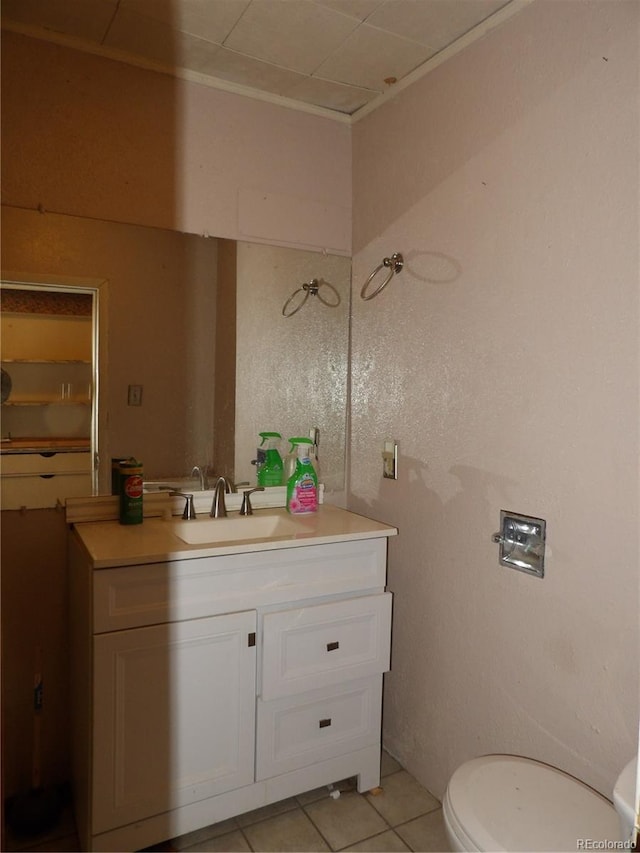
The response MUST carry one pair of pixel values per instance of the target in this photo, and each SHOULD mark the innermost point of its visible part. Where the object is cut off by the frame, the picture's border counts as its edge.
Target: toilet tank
(624, 798)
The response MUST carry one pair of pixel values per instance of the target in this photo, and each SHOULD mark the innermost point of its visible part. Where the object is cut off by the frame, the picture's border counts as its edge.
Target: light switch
(135, 395)
(390, 460)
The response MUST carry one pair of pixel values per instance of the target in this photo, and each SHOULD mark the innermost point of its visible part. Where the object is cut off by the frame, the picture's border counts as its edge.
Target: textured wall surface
(504, 359)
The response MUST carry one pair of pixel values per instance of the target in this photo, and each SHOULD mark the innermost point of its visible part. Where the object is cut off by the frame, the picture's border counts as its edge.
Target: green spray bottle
(270, 471)
(302, 485)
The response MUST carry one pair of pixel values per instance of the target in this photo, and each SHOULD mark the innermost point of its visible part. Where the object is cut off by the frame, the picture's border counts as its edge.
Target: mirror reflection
(195, 325)
(46, 345)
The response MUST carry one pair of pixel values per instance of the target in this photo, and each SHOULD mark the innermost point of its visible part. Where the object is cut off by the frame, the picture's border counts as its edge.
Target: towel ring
(312, 287)
(394, 263)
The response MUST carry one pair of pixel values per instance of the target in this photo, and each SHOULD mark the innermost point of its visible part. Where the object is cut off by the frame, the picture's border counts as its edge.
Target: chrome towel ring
(394, 264)
(312, 287)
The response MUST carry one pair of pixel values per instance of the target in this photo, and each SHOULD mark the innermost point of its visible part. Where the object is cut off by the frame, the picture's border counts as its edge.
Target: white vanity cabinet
(205, 686)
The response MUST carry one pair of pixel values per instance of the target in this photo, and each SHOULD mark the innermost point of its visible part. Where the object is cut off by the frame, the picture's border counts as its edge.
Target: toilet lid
(505, 802)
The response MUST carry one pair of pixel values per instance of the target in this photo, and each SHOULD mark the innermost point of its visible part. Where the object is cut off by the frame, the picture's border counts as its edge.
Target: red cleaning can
(130, 491)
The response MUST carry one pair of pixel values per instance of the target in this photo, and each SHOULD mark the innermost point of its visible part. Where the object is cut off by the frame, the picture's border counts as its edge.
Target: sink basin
(202, 531)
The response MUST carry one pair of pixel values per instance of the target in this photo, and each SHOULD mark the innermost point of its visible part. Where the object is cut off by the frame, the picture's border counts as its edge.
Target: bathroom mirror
(196, 322)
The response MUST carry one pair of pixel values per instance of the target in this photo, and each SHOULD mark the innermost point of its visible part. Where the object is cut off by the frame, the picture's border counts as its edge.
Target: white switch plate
(390, 460)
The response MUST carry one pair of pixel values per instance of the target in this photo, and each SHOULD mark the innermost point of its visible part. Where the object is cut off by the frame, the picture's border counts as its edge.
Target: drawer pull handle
(324, 723)
(331, 647)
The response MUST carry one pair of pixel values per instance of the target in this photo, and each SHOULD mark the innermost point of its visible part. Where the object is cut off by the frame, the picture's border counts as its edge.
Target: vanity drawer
(134, 596)
(35, 490)
(324, 644)
(297, 731)
(50, 463)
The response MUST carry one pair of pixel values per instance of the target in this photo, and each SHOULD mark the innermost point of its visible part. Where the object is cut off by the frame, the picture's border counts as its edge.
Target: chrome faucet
(218, 507)
(201, 474)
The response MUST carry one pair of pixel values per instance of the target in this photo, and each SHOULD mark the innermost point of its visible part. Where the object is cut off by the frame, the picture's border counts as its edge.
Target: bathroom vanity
(213, 678)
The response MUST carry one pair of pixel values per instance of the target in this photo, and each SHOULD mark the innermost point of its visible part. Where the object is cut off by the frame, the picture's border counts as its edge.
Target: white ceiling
(342, 56)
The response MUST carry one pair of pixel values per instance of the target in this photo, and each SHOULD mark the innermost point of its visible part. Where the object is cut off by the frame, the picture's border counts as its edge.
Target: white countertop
(110, 544)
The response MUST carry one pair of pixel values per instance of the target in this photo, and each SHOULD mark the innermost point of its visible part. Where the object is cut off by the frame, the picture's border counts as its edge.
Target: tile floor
(403, 816)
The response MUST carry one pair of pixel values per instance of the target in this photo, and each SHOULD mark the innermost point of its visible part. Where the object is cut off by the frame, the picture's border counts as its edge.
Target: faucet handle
(189, 510)
(246, 508)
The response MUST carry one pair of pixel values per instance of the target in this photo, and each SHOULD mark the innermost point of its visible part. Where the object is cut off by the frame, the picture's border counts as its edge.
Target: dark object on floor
(39, 809)
(34, 812)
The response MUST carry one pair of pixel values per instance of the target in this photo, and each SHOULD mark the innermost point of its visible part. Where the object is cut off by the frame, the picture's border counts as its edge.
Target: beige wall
(504, 359)
(94, 137)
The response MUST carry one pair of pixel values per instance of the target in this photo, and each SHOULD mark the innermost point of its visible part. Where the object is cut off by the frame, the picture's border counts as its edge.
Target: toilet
(507, 802)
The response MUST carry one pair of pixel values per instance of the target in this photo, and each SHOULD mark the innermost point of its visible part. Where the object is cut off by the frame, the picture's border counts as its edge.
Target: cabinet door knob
(331, 647)
(322, 724)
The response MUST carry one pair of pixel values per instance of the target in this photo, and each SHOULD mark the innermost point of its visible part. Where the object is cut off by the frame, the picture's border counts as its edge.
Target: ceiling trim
(481, 29)
(181, 73)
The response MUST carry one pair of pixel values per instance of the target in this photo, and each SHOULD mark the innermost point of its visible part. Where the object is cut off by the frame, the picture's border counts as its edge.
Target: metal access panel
(522, 540)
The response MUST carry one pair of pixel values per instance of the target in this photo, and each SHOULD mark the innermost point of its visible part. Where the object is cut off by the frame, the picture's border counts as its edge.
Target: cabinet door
(174, 713)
